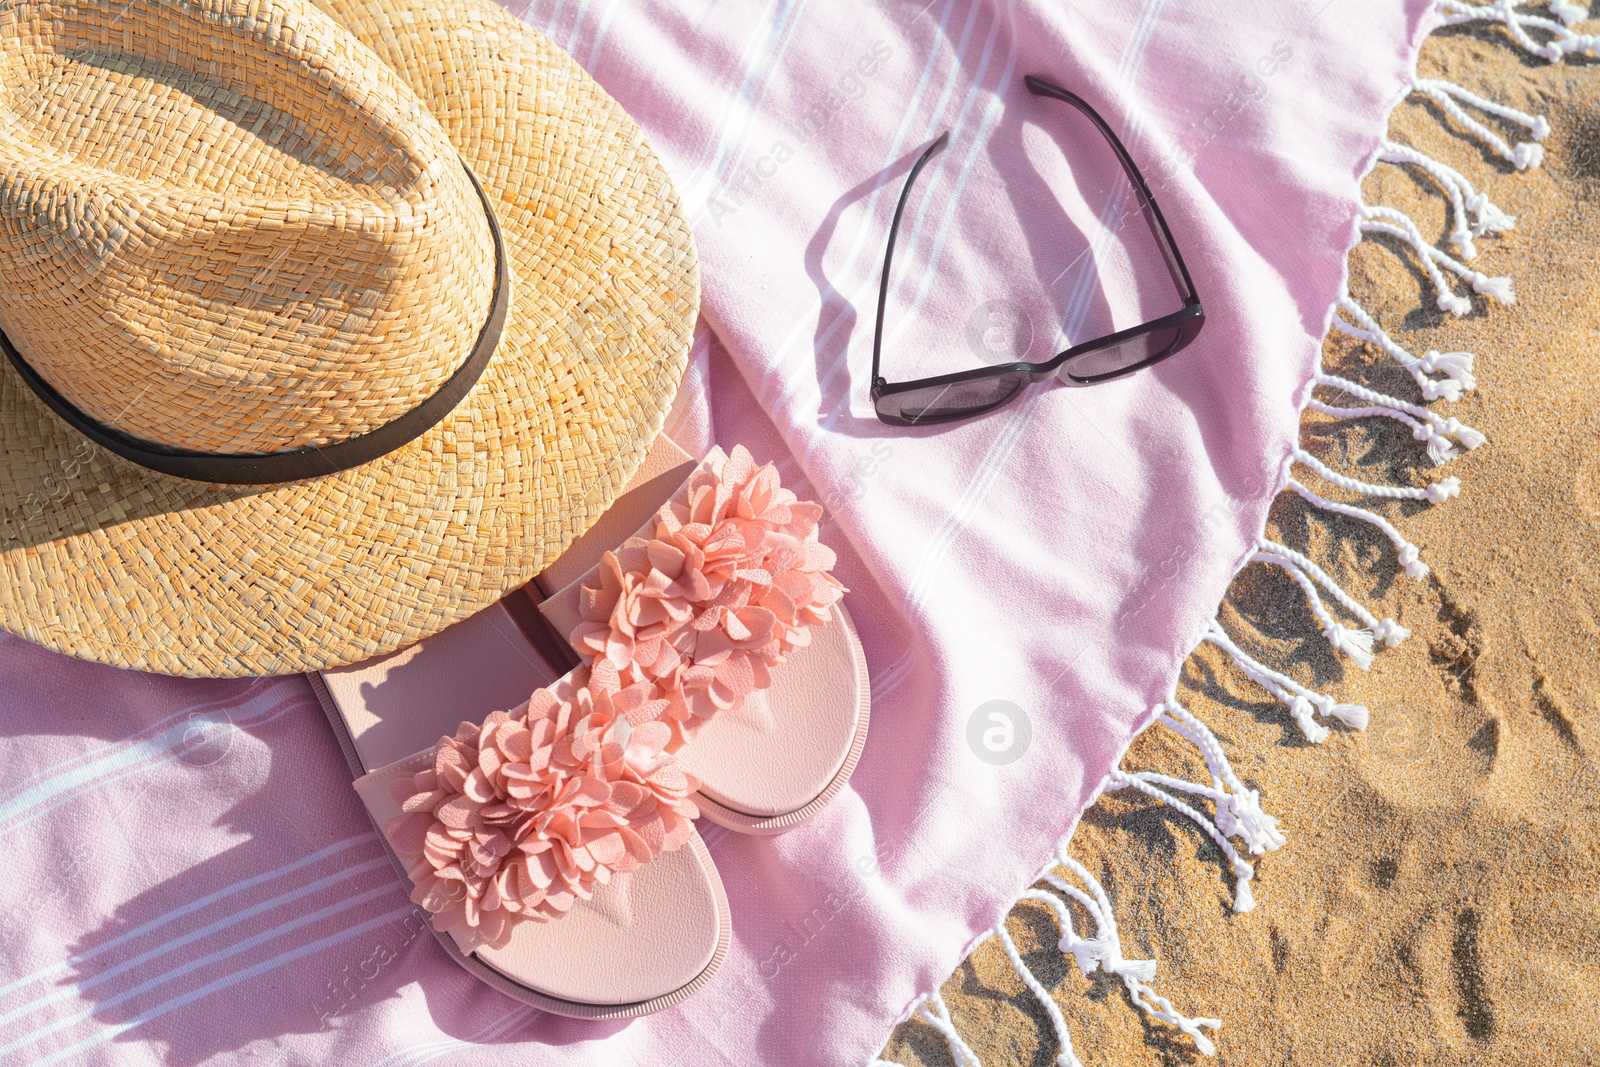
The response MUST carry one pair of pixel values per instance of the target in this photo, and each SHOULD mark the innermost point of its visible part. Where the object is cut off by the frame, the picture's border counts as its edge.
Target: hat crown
(228, 227)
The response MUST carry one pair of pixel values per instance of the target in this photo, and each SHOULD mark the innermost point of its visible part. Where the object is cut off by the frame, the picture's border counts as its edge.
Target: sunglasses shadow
(837, 318)
(837, 315)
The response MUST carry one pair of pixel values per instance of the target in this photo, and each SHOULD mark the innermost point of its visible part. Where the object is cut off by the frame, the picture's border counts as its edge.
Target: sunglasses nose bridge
(1064, 378)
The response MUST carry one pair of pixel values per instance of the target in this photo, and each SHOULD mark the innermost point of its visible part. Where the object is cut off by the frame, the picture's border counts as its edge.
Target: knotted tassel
(1466, 435)
(1355, 716)
(1440, 448)
(1243, 899)
(1304, 714)
(1444, 489)
(1411, 560)
(1390, 633)
(1357, 644)
(1241, 816)
(1497, 286)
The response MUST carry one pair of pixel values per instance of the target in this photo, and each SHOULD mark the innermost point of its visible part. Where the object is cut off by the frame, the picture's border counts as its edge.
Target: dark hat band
(269, 467)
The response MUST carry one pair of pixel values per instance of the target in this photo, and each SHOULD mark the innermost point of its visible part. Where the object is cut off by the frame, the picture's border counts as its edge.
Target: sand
(1436, 901)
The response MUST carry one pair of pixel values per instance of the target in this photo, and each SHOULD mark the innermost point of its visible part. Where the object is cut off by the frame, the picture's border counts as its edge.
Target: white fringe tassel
(1104, 950)
(1304, 704)
(1465, 201)
(1563, 42)
(1388, 631)
(931, 1010)
(1432, 429)
(1410, 556)
(1065, 1058)
(1524, 155)
(1357, 644)
(1239, 811)
(1243, 899)
(1436, 493)
(1387, 220)
(1456, 365)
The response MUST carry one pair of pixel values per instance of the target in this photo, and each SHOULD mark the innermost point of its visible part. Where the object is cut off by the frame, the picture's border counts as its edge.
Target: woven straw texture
(235, 228)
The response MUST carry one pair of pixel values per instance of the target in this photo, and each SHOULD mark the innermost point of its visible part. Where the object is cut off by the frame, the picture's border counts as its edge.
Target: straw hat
(328, 325)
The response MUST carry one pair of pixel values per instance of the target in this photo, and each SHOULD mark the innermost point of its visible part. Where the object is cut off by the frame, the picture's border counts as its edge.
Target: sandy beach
(1436, 900)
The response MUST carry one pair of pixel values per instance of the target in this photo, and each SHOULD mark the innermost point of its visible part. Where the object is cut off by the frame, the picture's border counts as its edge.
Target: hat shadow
(59, 484)
(302, 927)
(244, 112)
(232, 951)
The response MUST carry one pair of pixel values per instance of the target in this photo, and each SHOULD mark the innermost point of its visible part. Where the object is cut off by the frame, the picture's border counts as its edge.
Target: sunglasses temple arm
(888, 252)
(1152, 212)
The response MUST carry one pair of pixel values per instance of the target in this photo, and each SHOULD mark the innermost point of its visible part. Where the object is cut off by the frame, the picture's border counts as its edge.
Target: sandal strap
(729, 582)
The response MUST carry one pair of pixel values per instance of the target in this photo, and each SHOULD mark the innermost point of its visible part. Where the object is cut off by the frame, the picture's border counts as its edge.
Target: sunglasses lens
(1125, 356)
(953, 400)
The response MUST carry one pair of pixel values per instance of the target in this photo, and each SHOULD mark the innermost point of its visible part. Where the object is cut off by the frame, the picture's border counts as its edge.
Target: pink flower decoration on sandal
(731, 581)
(522, 816)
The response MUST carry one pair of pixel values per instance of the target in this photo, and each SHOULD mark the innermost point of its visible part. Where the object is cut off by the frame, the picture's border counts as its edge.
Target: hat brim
(107, 561)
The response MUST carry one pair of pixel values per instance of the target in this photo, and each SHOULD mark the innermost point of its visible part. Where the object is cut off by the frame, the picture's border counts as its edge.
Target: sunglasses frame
(1186, 322)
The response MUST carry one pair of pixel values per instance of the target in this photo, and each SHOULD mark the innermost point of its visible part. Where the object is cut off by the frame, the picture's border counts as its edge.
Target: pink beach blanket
(190, 878)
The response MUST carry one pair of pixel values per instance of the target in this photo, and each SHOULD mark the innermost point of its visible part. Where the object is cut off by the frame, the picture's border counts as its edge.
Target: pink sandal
(721, 596)
(552, 843)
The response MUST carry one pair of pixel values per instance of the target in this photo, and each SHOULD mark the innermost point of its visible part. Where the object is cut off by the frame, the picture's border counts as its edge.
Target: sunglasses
(947, 397)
